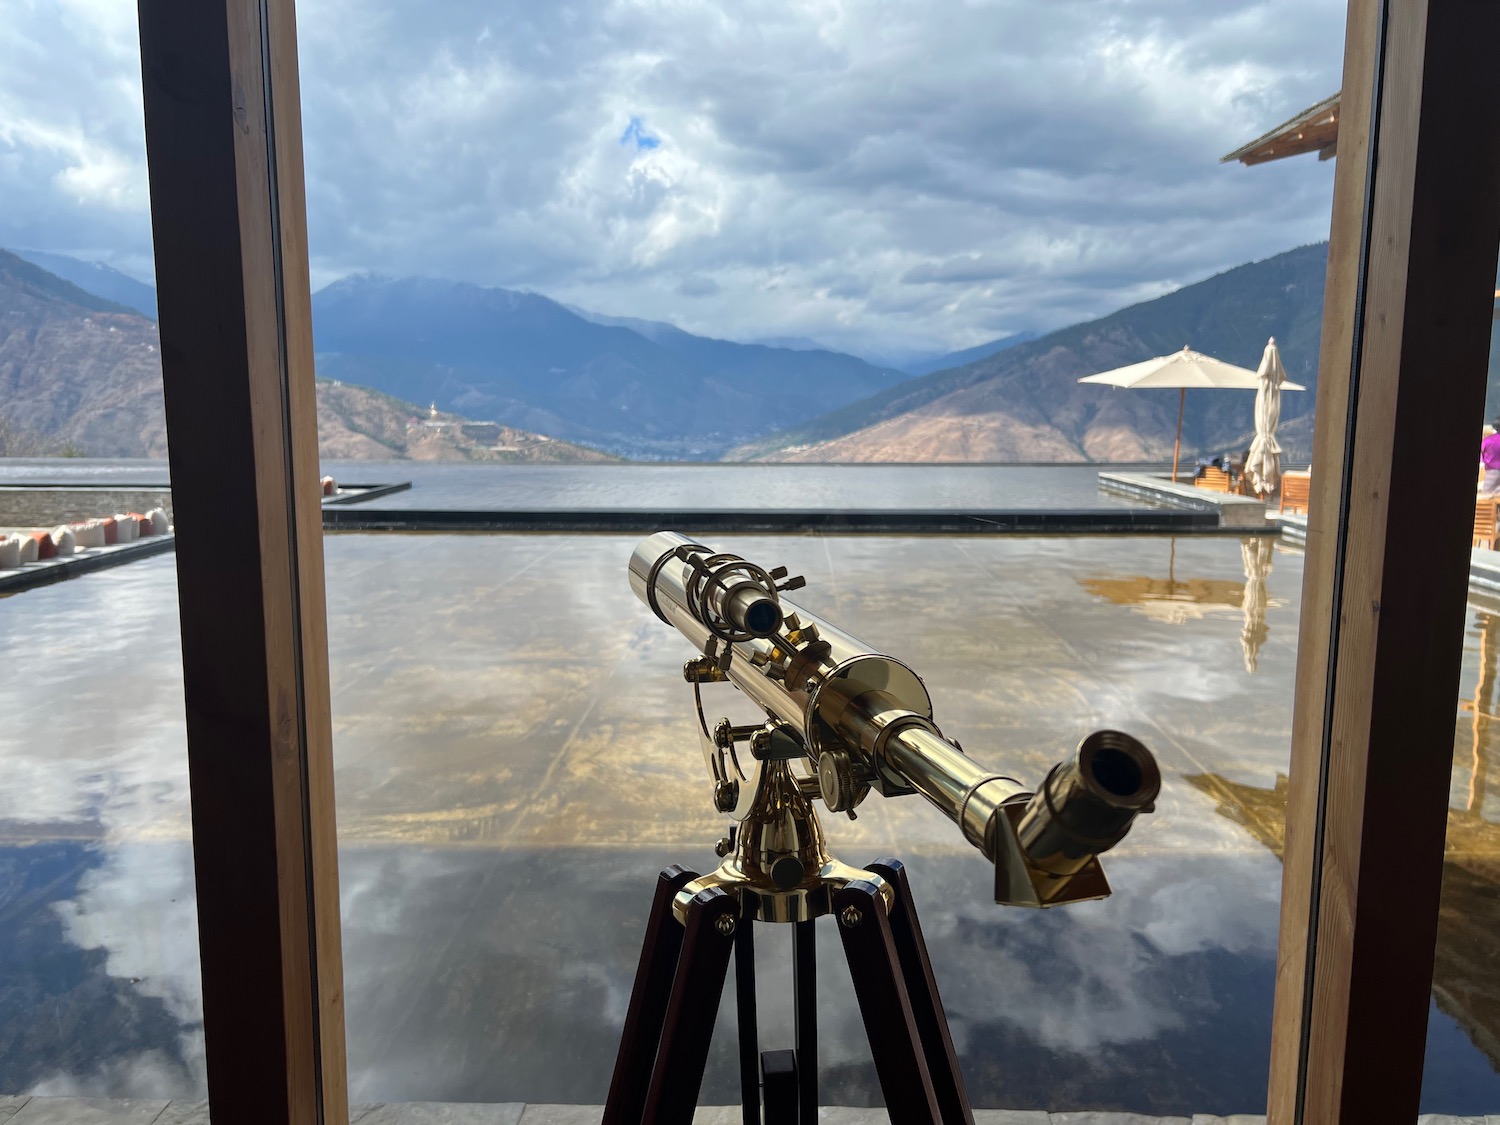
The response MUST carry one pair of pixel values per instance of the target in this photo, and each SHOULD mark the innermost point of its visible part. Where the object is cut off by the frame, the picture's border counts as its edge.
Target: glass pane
(516, 770)
(875, 248)
(99, 983)
(1463, 1032)
(570, 236)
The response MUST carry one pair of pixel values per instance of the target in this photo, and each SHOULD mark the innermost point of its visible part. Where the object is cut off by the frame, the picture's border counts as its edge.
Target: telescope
(841, 721)
(860, 721)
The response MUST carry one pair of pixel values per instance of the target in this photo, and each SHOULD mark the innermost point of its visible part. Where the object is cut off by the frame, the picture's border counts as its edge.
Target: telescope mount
(777, 869)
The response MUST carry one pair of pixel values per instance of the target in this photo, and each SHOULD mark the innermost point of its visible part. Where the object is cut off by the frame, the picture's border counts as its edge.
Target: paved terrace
(104, 1111)
(512, 738)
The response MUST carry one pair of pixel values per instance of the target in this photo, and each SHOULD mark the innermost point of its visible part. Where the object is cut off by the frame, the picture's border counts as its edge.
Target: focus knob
(836, 783)
(726, 795)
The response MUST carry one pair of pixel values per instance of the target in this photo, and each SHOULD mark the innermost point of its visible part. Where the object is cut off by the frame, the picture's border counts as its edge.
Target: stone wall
(48, 507)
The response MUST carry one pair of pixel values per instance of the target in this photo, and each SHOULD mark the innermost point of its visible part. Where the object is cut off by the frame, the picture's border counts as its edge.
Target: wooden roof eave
(1315, 129)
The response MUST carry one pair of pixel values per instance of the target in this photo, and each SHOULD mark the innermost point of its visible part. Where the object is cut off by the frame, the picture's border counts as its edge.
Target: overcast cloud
(877, 174)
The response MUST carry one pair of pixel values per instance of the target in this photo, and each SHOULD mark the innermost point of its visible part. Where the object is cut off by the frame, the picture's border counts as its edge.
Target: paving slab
(440, 1113)
(562, 1115)
(90, 1111)
(184, 1113)
(1232, 1119)
(1234, 511)
(9, 1107)
(1111, 1118)
(1012, 1117)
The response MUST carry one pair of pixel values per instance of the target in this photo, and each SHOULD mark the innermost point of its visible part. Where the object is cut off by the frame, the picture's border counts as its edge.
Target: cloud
(877, 173)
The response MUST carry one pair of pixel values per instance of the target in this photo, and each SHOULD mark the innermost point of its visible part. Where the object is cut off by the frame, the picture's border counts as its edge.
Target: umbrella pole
(1177, 445)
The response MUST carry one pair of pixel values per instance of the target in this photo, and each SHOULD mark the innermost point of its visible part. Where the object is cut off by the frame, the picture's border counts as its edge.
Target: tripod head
(857, 720)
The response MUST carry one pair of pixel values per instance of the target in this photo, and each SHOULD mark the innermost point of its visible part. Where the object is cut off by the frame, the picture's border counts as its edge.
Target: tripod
(697, 921)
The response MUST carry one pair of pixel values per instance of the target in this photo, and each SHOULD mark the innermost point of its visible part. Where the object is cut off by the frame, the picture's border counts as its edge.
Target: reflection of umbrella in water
(1465, 974)
(1255, 552)
(1482, 706)
(1174, 600)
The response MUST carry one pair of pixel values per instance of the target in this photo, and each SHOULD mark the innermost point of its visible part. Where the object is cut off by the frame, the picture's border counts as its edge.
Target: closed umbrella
(1182, 370)
(1264, 463)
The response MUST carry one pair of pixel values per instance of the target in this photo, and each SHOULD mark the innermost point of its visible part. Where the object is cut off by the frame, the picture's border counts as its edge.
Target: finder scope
(858, 720)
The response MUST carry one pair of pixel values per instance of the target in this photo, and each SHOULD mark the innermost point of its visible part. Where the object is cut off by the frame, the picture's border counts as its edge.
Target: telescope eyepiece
(1119, 769)
(1087, 804)
(750, 609)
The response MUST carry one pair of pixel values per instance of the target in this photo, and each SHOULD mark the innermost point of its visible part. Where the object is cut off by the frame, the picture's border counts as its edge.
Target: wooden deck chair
(1484, 522)
(1215, 480)
(1295, 488)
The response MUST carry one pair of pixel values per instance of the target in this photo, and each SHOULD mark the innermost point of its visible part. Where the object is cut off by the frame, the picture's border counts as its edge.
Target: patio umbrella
(1182, 370)
(1264, 463)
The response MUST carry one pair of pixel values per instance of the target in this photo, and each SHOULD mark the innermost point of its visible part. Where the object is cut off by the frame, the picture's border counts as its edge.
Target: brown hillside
(82, 374)
(1025, 402)
(357, 423)
(1039, 413)
(75, 369)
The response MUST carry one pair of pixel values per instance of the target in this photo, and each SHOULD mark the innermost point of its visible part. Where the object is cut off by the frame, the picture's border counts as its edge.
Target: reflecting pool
(516, 758)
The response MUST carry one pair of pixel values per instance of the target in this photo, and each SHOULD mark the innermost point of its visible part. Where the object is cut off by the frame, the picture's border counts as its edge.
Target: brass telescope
(852, 720)
(860, 720)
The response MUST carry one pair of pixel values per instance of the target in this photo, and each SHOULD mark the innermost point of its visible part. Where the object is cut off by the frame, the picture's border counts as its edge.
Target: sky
(891, 177)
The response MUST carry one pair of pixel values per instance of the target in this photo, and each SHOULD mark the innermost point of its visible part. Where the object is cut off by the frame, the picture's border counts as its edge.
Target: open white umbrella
(1264, 463)
(1183, 370)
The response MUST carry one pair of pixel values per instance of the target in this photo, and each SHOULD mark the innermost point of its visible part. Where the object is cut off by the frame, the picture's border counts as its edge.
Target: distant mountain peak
(97, 280)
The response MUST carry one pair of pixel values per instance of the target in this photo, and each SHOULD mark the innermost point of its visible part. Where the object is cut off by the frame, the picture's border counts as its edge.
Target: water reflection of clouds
(511, 690)
(1091, 976)
(93, 702)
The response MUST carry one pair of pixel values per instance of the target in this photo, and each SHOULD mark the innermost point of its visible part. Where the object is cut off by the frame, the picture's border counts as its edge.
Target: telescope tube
(839, 696)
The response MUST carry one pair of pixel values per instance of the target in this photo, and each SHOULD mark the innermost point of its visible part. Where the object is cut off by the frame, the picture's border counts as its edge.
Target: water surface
(516, 758)
(489, 487)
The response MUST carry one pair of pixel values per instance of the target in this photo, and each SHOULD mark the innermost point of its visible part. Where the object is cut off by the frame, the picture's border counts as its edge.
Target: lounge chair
(1485, 532)
(1215, 480)
(1295, 488)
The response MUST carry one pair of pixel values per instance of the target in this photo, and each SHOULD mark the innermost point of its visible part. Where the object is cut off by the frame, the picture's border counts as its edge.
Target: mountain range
(1025, 403)
(98, 279)
(81, 374)
(643, 389)
(650, 390)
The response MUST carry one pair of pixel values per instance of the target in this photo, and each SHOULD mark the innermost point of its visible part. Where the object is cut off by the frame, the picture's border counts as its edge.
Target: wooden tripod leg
(805, 997)
(885, 1005)
(692, 1007)
(648, 1003)
(926, 1005)
(744, 1002)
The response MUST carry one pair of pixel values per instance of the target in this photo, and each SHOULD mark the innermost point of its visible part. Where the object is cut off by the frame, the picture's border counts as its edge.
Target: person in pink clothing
(1489, 457)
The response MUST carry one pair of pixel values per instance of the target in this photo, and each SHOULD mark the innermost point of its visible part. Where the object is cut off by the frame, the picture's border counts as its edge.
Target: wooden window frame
(224, 148)
(1401, 386)
(1416, 222)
